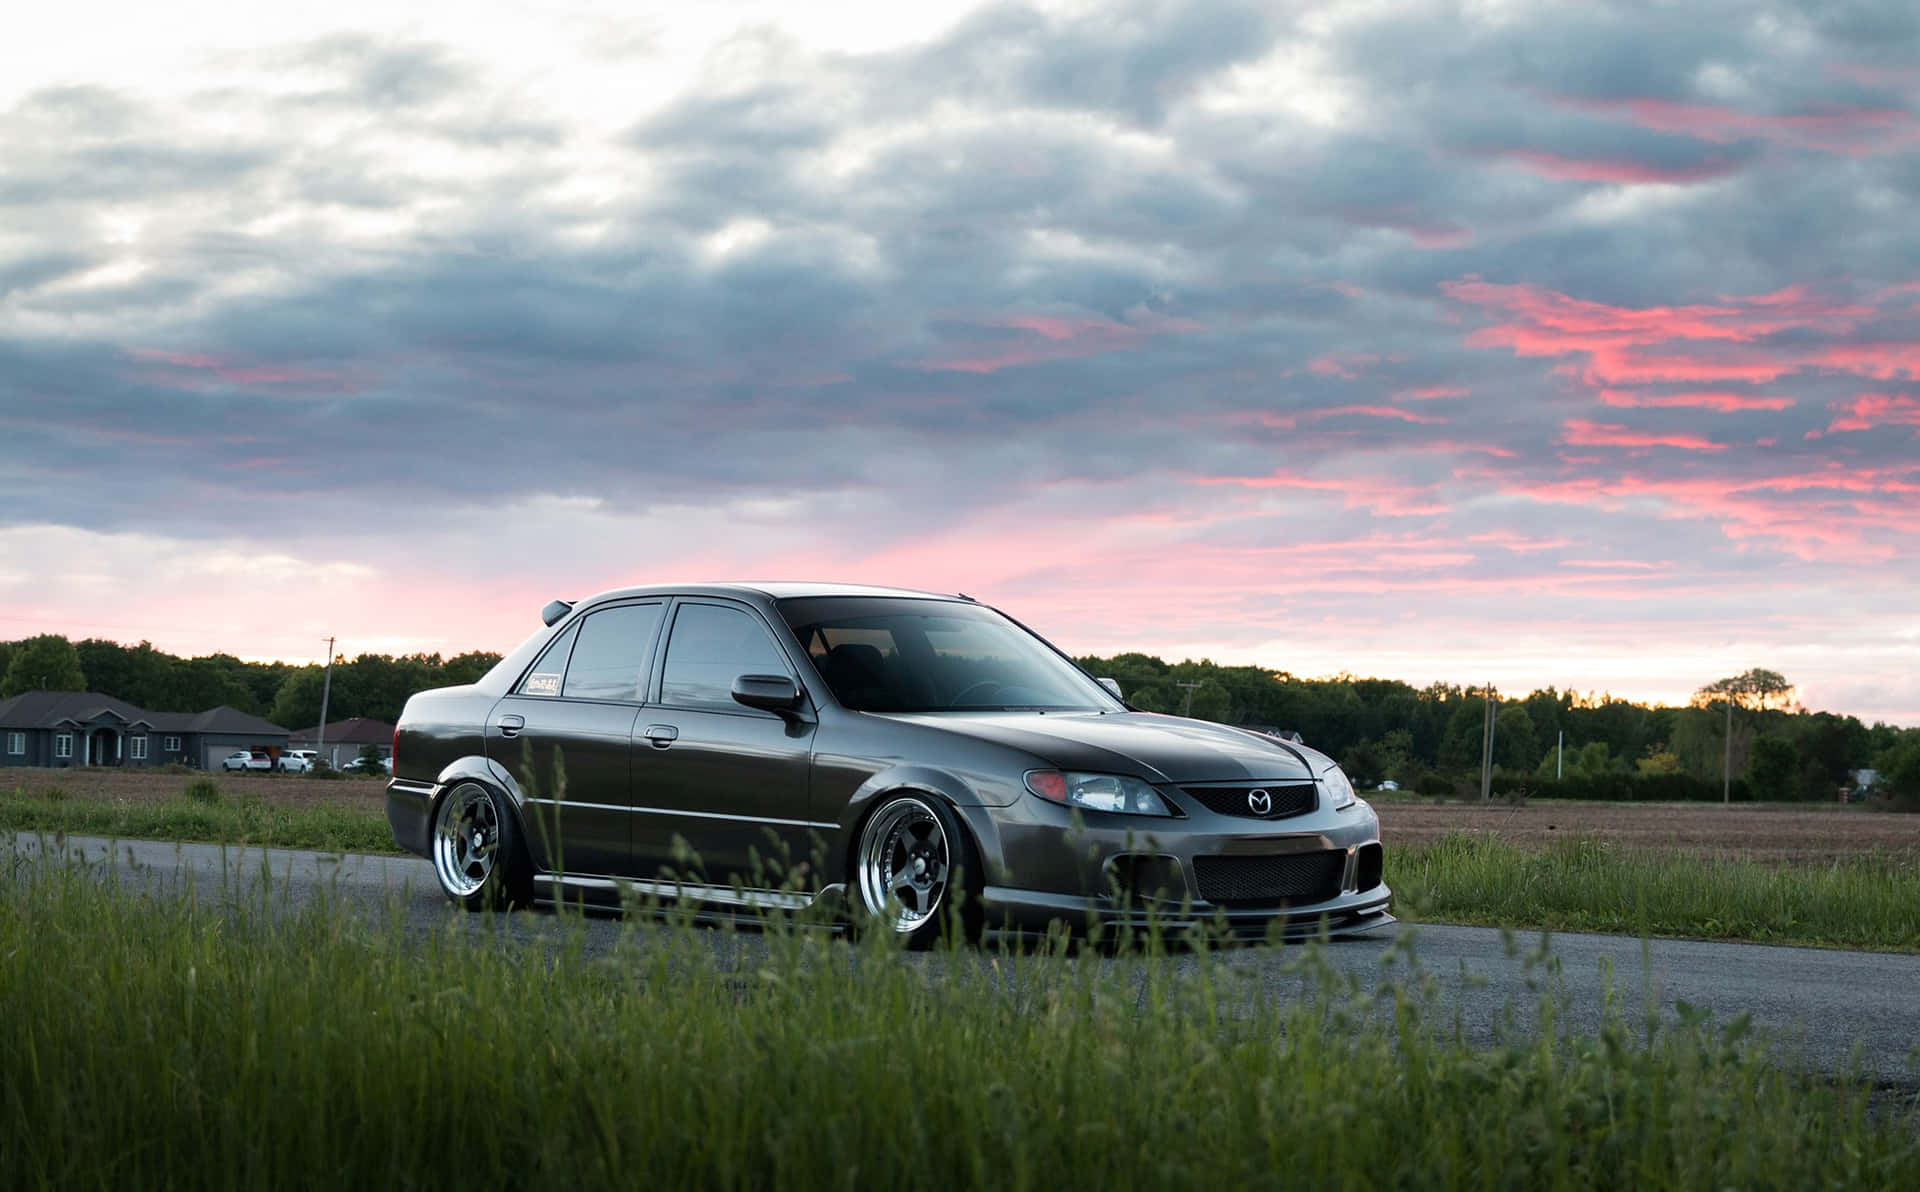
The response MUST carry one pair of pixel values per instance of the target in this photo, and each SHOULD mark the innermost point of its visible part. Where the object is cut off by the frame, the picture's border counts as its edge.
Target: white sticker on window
(542, 684)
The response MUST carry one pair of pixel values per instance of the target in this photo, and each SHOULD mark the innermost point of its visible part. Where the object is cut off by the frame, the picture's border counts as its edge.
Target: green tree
(44, 663)
(1899, 763)
(1742, 698)
(296, 706)
(1773, 772)
(1514, 744)
(1658, 761)
(1465, 741)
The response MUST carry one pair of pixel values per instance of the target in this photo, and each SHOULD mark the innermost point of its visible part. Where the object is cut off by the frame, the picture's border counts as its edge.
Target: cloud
(1255, 317)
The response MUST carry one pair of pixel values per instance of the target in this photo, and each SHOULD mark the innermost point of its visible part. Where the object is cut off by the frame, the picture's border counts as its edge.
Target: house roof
(56, 709)
(360, 730)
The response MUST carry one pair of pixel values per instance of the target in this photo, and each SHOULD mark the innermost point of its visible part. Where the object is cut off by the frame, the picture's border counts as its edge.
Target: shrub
(203, 790)
(54, 794)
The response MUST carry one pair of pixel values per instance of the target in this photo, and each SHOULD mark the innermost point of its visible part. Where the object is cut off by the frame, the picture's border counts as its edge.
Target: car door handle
(510, 726)
(661, 735)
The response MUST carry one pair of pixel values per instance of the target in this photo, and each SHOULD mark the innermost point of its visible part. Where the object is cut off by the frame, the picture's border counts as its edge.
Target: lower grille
(1282, 799)
(1367, 872)
(1297, 878)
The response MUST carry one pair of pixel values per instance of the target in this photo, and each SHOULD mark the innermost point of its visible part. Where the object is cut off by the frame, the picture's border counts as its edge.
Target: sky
(1533, 344)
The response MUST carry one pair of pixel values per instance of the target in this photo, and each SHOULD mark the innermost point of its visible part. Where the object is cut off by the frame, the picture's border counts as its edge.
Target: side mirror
(1113, 688)
(769, 693)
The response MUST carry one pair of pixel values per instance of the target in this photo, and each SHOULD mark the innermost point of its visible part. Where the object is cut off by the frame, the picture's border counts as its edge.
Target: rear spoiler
(555, 610)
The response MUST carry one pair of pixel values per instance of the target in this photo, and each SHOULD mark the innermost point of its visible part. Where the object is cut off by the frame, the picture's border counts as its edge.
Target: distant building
(343, 739)
(83, 728)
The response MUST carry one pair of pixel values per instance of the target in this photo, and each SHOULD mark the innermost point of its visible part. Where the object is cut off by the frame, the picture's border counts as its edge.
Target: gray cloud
(1029, 252)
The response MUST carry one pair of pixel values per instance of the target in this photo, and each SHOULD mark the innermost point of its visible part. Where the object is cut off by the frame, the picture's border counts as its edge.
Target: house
(84, 728)
(342, 739)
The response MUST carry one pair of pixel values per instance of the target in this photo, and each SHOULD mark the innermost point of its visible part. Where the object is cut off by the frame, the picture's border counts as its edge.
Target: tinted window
(712, 646)
(610, 659)
(894, 654)
(544, 678)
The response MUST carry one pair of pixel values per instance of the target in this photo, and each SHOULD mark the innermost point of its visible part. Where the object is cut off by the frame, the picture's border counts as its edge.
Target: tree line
(1432, 737)
(375, 686)
(1377, 729)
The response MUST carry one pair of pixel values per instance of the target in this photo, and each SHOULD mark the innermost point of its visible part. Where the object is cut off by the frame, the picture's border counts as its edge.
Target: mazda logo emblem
(1259, 802)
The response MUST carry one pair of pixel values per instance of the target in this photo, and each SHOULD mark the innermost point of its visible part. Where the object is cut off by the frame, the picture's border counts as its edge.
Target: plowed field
(1773, 833)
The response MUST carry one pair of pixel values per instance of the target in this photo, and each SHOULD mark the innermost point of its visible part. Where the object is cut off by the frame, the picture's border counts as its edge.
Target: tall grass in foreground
(224, 1043)
(1590, 885)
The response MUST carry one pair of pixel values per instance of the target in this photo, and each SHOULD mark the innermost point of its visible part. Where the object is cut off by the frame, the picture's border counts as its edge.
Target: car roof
(777, 590)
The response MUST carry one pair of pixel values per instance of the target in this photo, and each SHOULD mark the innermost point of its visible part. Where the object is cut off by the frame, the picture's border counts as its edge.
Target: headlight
(1097, 792)
(1339, 791)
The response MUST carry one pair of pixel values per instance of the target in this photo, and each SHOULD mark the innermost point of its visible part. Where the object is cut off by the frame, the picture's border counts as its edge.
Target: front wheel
(476, 850)
(915, 872)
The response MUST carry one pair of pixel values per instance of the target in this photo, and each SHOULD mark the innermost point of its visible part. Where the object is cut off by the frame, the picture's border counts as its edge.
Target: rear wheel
(915, 871)
(476, 849)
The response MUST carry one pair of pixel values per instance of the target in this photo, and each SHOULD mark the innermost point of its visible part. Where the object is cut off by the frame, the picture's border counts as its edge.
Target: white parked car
(295, 761)
(241, 759)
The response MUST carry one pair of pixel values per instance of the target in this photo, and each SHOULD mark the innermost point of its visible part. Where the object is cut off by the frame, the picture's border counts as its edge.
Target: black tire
(476, 850)
(915, 872)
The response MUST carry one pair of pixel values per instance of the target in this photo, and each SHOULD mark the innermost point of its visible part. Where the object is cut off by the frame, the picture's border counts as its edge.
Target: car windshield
(898, 654)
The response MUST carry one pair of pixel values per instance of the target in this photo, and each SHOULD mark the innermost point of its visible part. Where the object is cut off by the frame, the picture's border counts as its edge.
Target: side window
(610, 660)
(711, 646)
(544, 678)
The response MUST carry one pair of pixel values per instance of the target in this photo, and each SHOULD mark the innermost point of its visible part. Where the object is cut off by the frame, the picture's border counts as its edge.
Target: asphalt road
(1822, 1008)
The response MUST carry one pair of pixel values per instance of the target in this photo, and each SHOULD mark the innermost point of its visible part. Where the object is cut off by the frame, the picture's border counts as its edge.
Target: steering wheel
(960, 696)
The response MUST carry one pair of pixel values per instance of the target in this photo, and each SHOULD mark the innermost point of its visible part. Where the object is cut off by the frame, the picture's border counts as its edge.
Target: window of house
(63, 745)
(170, 744)
(711, 646)
(610, 660)
(16, 743)
(140, 749)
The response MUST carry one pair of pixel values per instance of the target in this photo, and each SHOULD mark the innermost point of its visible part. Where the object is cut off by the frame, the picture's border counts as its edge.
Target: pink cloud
(1855, 131)
(1619, 171)
(1737, 339)
(1344, 364)
(1373, 412)
(1723, 402)
(1599, 434)
(1431, 393)
(1871, 410)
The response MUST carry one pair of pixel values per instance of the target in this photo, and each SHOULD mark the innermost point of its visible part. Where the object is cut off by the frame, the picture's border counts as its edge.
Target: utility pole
(1726, 767)
(1559, 754)
(1486, 751)
(1188, 709)
(326, 689)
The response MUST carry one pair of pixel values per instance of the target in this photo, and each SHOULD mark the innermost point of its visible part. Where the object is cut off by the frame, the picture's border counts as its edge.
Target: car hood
(1158, 748)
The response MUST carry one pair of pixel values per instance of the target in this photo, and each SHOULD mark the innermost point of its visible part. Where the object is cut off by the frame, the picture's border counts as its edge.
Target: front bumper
(1294, 877)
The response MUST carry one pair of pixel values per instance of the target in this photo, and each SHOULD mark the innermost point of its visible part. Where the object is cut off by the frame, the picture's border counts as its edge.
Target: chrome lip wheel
(466, 840)
(904, 857)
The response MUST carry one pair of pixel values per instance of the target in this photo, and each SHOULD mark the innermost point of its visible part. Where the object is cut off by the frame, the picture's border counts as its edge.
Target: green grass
(203, 813)
(227, 1043)
(1589, 885)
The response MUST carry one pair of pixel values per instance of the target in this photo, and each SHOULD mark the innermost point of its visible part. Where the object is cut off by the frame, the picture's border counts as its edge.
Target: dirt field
(145, 786)
(1760, 832)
